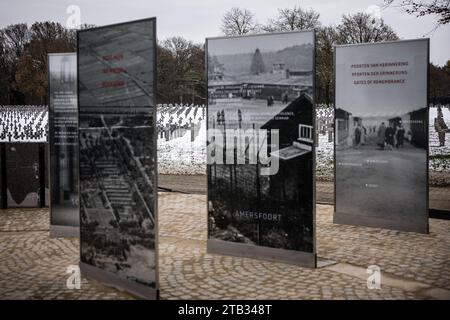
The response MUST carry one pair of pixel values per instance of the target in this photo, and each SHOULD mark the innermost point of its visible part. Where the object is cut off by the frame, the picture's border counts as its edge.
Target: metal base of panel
(304, 259)
(112, 280)
(416, 225)
(64, 232)
(439, 214)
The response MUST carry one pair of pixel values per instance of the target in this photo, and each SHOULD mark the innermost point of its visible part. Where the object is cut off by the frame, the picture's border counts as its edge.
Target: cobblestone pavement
(439, 196)
(187, 271)
(183, 183)
(32, 265)
(414, 256)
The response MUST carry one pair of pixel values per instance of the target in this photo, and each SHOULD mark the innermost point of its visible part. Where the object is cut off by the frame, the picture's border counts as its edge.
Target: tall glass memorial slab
(261, 147)
(117, 142)
(63, 144)
(381, 145)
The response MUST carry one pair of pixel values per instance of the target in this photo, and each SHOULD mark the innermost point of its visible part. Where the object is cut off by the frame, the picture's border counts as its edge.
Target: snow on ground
(23, 123)
(324, 159)
(439, 162)
(181, 156)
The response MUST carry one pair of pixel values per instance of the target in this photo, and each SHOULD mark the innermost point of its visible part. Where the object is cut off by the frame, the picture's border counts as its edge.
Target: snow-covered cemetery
(182, 149)
(182, 138)
(23, 123)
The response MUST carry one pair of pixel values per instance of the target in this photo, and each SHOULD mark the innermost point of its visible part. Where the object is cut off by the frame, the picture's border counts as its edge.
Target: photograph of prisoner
(63, 139)
(381, 160)
(117, 171)
(262, 82)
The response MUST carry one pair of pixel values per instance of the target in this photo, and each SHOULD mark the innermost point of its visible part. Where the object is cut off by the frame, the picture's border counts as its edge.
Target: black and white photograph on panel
(260, 140)
(439, 151)
(63, 139)
(382, 135)
(117, 213)
(117, 150)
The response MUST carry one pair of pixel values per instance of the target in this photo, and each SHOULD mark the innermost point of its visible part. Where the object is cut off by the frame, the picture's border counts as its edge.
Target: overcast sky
(198, 19)
(249, 44)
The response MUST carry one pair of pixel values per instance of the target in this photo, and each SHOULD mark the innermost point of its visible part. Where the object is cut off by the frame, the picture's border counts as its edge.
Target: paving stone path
(187, 271)
(414, 266)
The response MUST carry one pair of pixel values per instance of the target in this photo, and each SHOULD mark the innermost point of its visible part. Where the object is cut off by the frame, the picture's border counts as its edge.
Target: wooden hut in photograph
(293, 181)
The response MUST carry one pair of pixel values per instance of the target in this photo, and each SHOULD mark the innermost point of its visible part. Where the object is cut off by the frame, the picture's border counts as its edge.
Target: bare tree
(238, 21)
(326, 38)
(290, 19)
(440, 8)
(31, 74)
(14, 38)
(362, 27)
(185, 64)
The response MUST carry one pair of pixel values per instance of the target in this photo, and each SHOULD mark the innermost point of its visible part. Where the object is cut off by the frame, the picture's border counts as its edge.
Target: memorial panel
(63, 144)
(261, 146)
(117, 142)
(381, 122)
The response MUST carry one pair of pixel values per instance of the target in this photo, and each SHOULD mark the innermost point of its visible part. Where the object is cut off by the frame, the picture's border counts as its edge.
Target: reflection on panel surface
(63, 139)
(116, 68)
(117, 151)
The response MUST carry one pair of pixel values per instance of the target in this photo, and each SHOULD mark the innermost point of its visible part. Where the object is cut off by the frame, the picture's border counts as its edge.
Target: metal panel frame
(103, 276)
(57, 231)
(214, 246)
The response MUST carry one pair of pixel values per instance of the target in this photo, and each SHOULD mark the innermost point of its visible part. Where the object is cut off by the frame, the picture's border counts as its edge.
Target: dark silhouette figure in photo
(285, 98)
(381, 136)
(440, 126)
(400, 136)
(389, 136)
(358, 133)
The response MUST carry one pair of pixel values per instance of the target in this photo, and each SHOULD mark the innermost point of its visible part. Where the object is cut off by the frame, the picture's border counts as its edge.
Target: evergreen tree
(257, 66)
